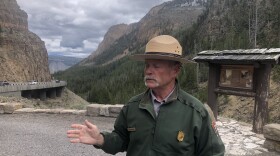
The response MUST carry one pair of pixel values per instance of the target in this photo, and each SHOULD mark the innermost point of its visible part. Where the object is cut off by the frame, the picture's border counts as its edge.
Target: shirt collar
(147, 103)
(165, 99)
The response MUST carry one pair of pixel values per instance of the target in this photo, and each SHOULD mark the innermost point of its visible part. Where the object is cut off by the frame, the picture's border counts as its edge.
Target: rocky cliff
(167, 18)
(113, 34)
(23, 55)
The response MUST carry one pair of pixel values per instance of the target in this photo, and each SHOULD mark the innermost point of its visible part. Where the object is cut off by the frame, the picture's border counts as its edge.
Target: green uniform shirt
(182, 128)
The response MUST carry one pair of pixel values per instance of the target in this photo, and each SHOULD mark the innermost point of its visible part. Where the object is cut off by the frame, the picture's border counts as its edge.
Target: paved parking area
(33, 134)
(45, 135)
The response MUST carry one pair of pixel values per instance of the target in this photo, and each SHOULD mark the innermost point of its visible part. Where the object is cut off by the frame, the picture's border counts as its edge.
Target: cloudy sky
(76, 27)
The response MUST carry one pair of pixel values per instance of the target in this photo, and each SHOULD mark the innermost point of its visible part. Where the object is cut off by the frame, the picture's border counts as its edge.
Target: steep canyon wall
(23, 55)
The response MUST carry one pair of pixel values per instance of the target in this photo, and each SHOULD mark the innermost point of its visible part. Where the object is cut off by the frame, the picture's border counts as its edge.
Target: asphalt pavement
(45, 135)
(42, 134)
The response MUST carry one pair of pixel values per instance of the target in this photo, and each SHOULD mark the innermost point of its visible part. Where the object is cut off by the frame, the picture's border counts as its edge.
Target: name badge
(131, 129)
(180, 136)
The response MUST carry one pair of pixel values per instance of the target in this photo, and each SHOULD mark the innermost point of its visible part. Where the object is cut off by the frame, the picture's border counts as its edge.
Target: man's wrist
(100, 140)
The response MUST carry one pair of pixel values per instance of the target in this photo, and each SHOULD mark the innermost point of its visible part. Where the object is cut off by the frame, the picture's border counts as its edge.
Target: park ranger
(162, 121)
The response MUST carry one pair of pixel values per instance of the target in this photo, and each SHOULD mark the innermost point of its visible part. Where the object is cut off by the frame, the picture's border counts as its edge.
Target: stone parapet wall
(51, 111)
(104, 110)
(271, 133)
(92, 110)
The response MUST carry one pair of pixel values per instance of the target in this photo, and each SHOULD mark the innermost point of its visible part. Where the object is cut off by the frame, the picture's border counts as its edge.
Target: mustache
(149, 78)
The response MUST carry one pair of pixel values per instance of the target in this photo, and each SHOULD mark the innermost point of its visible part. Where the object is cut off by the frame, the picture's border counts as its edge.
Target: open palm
(86, 134)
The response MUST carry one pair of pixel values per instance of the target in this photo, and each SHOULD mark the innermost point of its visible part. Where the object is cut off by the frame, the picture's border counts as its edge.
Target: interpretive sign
(236, 76)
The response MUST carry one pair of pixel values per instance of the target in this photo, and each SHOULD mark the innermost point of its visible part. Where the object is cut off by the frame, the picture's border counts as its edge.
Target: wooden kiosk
(242, 73)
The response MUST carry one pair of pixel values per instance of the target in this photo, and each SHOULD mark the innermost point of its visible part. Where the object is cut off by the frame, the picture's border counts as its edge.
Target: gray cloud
(78, 26)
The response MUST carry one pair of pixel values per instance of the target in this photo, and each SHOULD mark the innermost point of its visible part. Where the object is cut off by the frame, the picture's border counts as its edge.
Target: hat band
(160, 53)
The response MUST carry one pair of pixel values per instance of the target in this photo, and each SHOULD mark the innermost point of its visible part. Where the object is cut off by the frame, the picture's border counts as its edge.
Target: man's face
(160, 73)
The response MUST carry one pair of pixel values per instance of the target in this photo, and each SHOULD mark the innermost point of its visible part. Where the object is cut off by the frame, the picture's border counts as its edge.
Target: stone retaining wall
(271, 133)
(104, 110)
(92, 110)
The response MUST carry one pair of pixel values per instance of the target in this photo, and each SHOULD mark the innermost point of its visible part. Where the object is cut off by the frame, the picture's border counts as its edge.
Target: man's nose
(148, 70)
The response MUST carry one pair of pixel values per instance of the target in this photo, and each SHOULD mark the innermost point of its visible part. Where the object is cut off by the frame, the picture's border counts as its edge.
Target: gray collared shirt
(157, 103)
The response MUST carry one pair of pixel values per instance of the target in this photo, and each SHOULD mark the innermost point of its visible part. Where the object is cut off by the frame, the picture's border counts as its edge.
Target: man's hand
(86, 134)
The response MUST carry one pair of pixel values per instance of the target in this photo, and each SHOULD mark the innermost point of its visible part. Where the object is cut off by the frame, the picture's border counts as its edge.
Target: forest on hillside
(225, 24)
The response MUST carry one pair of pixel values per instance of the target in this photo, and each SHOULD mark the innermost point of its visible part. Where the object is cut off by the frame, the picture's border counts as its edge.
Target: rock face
(23, 54)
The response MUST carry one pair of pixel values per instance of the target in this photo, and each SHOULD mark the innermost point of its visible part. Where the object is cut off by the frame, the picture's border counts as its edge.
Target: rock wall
(23, 55)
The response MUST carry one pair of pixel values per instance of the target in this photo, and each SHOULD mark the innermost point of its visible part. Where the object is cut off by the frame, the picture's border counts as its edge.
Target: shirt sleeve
(209, 142)
(117, 140)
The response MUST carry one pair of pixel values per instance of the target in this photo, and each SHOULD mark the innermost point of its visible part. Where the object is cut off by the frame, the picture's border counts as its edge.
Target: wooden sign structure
(242, 72)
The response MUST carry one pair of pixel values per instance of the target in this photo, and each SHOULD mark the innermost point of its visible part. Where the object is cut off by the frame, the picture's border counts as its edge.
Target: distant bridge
(41, 90)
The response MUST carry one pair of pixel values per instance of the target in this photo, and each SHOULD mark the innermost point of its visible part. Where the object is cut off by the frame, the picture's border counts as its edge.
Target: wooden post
(261, 98)
(212, 84)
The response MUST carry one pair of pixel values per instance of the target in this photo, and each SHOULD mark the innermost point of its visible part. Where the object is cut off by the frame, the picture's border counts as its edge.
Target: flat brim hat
(163, 47)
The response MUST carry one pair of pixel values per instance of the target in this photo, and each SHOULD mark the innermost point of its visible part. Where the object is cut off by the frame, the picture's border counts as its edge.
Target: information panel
(236, 76)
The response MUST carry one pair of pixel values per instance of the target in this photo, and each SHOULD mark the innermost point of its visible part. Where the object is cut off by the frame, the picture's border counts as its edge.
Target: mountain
(122, 40)
(108, 76)
(23, 54)
(113, 34)
(61, 63)
(224, 24)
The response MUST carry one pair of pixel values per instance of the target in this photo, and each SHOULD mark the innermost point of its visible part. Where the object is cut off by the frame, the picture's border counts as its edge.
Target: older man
(164, 120)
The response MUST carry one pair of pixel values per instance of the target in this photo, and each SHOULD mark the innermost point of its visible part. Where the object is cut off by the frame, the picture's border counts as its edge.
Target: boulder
(272, 134)
(272, 131)
(9, 108)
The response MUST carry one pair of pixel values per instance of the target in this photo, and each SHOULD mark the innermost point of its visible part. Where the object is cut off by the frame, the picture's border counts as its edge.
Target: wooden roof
(240, 55)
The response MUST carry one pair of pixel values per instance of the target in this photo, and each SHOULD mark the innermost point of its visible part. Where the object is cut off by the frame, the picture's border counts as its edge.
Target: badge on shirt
(131, 129)
(180, 136)
(215, 128)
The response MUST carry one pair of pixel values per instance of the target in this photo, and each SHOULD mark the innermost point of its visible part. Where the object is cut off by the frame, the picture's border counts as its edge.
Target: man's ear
(177, 69)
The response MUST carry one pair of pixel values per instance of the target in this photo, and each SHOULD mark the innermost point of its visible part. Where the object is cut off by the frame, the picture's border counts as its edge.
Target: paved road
(45, 135)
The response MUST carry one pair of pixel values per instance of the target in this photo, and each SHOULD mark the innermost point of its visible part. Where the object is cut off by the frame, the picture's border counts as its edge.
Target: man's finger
(89, 124)
(73, 132)
(73, 135)
(75, 141)
(77, 126)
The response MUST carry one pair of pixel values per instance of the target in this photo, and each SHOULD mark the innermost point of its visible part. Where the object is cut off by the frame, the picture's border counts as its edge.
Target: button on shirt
(157, 103)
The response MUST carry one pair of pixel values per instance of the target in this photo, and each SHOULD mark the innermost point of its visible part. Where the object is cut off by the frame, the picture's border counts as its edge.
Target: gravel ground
(45, 135)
